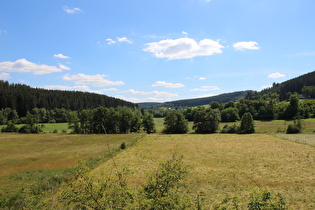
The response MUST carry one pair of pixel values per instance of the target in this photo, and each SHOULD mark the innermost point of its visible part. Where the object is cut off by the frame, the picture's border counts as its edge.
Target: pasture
(227, 165)
(24, 157)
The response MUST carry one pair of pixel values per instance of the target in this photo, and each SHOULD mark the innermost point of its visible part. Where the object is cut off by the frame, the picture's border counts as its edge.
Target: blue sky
(156, 50)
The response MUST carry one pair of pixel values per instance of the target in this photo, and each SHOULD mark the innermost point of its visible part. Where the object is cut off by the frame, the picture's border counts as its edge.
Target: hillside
(289, 86)
(24, 98)
(222, 98)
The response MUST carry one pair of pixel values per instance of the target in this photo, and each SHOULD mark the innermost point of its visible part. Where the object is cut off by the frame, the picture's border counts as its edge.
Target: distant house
(301, 96)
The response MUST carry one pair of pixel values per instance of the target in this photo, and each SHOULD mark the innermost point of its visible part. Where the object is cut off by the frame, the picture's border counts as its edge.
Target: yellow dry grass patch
(24, 152)
(227, 165)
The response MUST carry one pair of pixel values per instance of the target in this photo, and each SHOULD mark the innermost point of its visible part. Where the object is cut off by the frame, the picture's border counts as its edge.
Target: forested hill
(24, 98)
(290, 86)
(222, 98)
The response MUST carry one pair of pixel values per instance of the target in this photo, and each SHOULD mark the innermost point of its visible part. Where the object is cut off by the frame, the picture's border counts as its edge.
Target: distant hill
(23, 98)
(222, 98)
(289, 86)
(147, 105)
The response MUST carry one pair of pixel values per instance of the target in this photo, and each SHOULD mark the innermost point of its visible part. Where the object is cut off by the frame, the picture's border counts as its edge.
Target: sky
(156, 50)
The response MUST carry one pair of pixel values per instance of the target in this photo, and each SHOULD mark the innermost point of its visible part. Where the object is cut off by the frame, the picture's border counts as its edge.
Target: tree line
(23, 99)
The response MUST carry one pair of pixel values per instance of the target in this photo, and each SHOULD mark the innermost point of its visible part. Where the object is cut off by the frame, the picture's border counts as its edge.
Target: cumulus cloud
(183, 48)
(73, 10)
(241, 46)
(23, 65)
(61, 56)
(206, 88)
(276, 75)
(4, 76)
(159, 94)
(94, 80)
(167, 85)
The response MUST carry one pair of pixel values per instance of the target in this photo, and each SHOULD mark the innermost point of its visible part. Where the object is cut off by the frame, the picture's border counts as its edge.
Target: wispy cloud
(276, 75)
(61, 56)
(23, 65)
(206, 88)
(73, 10)
(83, 88)
(63, 67)
(183, 48)
(4, 76)
(3, 32)
(94, 80)
(167, 85)
(250, 45)
(197, 77)
(119, 39)
(159, 94)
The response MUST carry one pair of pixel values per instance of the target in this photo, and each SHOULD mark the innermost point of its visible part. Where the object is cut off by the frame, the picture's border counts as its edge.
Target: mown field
(227, 165)
(220, 165)
(27, 157)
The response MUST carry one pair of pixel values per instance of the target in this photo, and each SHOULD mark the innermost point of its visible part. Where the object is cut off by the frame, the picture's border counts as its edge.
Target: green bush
(230, 129)
(297, 127)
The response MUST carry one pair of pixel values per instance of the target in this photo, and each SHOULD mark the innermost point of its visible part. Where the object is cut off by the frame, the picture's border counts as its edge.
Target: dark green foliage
(206, 120)
(297, 127)
(230, 129)
(148, 123)
(265, 200)
(309, 91)
(123, 145)
(23, 99)
(293, 108)
(31, 125)
(247, 124)
(175, 122)
(10, 128)
(229, 115)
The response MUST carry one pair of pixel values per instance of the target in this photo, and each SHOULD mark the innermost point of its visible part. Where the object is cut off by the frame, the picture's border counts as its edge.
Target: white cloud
(62, 87)
(23, 65)
(168, 85)
(61, 56)
(183, 48)
(202, 78)
(4, 76)
(119, 39)
(276, 75)
(63, 67)
(184, 32)
(124, 39)
(72, 10)
(110, 41)
(94, 80)
(159, 94)
(241, 46)
(206, 88)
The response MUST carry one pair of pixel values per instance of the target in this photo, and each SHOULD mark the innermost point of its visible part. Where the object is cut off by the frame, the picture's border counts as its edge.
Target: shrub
(297, 127)
(247, 124)
(230, 129)
(10, 128)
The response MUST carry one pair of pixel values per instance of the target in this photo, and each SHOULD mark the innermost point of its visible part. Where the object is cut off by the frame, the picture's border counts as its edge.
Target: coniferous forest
(23, 99)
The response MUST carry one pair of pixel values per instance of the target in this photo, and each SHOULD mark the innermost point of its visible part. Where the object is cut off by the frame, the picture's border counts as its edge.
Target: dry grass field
(223, 165)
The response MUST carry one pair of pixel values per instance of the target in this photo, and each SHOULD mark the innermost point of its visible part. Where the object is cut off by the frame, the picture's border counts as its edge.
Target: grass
(274, 126)
(29, 158)
(227, 165)
(49, 127)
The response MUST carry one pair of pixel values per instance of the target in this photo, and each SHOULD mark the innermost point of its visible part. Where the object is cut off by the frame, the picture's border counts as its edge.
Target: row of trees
(206, 120)
(261, 109)
(110, 120)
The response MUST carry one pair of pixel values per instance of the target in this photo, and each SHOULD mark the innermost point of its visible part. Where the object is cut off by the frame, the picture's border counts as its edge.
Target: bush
(230, 129)
(295, 128)
(247, 124)
(10, 128)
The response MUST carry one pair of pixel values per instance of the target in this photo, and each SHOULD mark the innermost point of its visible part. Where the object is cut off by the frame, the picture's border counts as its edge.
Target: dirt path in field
(300, 138)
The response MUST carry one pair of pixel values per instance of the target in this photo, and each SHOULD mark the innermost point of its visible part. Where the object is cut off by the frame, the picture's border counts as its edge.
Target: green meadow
(221, 166)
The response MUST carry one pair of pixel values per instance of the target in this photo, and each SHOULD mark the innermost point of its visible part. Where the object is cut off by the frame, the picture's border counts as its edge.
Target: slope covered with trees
(23, 99)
